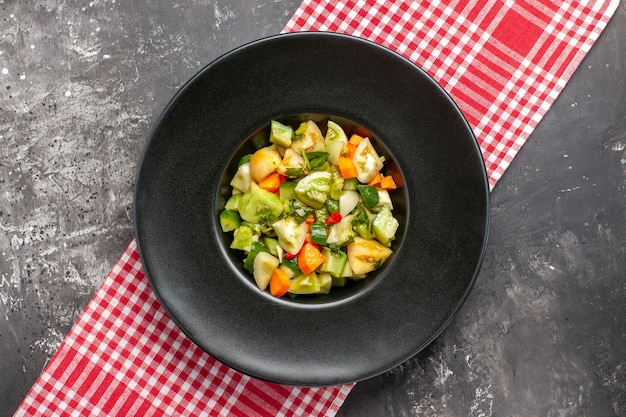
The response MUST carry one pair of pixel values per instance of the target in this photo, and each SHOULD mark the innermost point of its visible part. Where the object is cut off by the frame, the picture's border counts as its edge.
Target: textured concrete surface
(80, 84)
(543, 332)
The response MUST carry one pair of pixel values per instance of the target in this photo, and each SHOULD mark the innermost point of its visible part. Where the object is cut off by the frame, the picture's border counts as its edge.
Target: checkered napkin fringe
(504, 63)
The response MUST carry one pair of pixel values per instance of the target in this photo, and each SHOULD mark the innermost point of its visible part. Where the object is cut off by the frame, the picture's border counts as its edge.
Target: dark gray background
(543, 333)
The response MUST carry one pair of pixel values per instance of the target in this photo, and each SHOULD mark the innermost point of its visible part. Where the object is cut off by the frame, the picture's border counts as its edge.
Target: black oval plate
(358, 332)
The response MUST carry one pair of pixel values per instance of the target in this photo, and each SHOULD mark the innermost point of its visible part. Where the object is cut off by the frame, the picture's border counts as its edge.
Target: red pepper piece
(334, 218)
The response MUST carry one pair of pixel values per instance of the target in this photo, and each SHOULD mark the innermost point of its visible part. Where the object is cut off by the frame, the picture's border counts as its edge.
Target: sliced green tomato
(264, 265)
(310, 138)
(334, 151)
(365, 255)
(242, 179)
(281, 134)
(305, 284)
(292, 163)
(291, 234)
(366, 161)
(334, 133)
(342, 232)
(325, 281)
(257, 202)
(335, 140)
(314, 188)
(385, 225)
(313, 131)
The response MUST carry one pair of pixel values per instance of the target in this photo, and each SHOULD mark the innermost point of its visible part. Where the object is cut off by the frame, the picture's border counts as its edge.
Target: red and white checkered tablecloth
(504, 63)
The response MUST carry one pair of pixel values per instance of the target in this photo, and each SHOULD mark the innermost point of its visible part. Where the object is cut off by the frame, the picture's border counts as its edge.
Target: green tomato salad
(311, 211)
